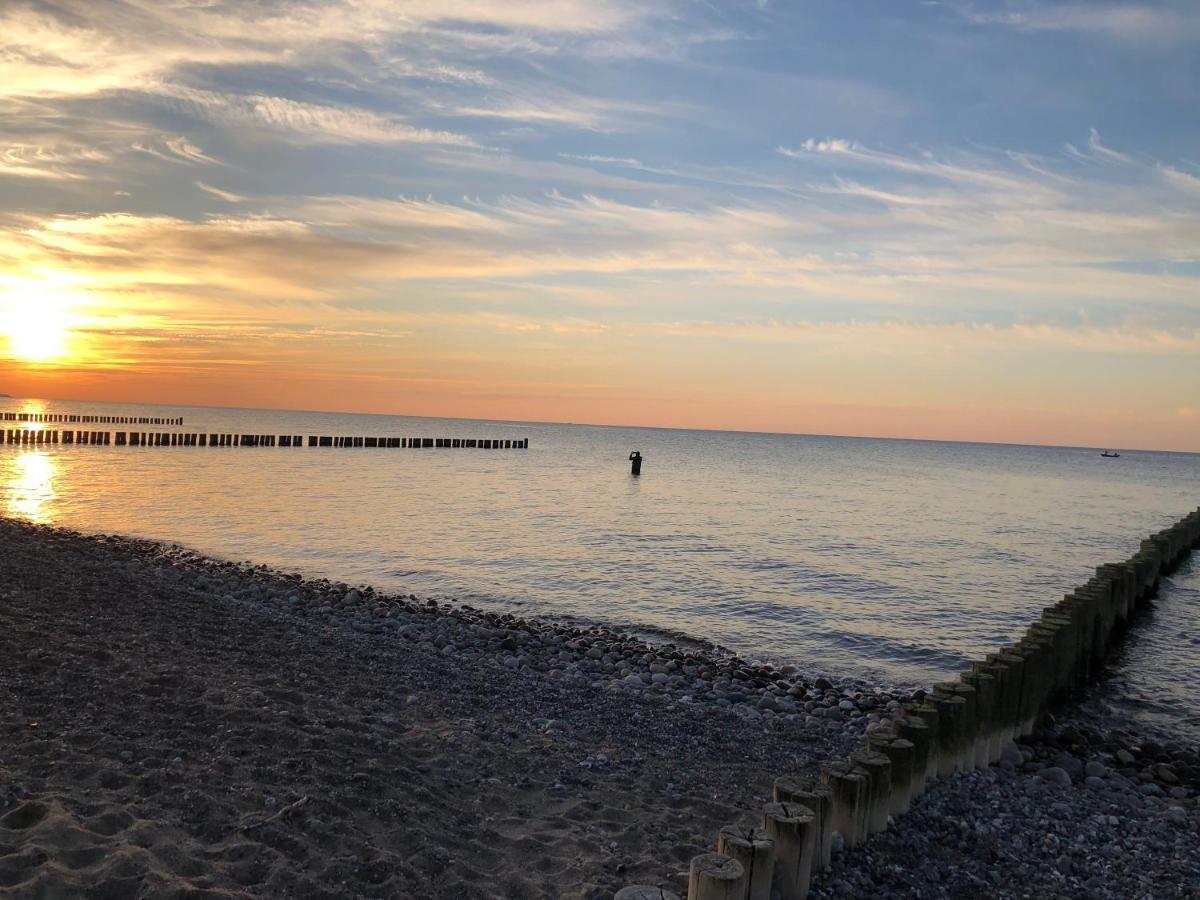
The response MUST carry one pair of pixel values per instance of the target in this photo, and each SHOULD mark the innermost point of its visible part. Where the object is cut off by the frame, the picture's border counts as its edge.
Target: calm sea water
(892, 559)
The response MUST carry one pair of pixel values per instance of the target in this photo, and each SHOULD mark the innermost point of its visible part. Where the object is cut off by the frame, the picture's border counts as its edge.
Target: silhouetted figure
(636, 459)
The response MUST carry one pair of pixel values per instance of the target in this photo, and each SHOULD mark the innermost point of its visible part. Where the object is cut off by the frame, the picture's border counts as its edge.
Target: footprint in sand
(24, 816)
(109, 823)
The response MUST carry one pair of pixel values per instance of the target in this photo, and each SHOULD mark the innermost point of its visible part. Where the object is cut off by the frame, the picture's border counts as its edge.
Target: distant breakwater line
(70, 419)
(46, 437)
(957, 727)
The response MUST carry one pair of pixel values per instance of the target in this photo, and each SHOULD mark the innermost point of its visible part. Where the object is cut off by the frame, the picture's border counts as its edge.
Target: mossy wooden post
(793, 827)
(712, 876)
(818, 798)
(755, 850)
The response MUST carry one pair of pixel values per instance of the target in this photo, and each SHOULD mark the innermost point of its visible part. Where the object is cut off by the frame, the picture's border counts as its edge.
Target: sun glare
(30, 483)
(36, 324)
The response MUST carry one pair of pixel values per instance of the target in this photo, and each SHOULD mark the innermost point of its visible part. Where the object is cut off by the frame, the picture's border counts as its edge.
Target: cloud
(304, 122)
(227, 196)
(1178, 178)
(1118, 21)
(82, 47)
(829, 146)
(541, 107)
(906, 229)
(177, 150)
(963, 337)
(49, 161)
(812, 145)
(626, 161)
(1097, 152)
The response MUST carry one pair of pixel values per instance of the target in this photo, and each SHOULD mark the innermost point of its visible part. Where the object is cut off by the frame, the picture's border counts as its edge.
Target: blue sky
(941, 219)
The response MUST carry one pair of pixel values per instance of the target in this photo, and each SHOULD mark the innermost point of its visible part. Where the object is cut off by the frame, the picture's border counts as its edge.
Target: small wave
(876, 647)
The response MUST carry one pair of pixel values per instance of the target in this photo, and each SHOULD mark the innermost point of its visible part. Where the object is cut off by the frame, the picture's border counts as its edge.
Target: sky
(946, 220)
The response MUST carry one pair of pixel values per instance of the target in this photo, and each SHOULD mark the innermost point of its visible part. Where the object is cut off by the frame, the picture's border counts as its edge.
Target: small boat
(1113, 455)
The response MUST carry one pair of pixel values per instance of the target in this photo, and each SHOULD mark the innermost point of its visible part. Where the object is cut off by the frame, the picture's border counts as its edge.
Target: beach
(184, 727)
(180, 727)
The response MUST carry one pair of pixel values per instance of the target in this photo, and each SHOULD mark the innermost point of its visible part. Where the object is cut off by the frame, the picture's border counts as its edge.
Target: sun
(37, 325)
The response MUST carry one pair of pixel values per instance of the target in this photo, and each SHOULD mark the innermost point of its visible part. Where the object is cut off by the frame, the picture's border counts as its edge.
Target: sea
(895, 561)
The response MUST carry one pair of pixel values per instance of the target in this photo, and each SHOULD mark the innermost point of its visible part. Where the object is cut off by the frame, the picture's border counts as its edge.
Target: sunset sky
(960, 220)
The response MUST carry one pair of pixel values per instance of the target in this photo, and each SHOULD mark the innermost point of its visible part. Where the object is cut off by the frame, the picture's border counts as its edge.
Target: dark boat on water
(1113, 455)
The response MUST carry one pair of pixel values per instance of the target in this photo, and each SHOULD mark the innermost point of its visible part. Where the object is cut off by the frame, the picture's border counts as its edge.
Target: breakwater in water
(44, 437)
(75, 419)
(956, 727)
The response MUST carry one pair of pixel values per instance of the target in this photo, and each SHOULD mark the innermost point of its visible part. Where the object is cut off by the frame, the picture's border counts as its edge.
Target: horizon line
(862, 437)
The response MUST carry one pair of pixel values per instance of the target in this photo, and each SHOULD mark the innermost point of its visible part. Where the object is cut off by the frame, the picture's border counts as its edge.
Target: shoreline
(186, 727)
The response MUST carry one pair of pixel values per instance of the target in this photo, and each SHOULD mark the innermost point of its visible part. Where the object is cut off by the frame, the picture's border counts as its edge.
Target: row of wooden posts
(68, 419)
(960, 725)
(41, 437)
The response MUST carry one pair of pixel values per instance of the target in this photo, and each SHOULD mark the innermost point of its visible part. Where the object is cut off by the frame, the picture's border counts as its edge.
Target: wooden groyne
(67, 419)
(54, 437)
(960, 725)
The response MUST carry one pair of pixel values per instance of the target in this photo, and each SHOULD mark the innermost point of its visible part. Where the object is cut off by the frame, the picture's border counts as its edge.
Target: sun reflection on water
(30, 487)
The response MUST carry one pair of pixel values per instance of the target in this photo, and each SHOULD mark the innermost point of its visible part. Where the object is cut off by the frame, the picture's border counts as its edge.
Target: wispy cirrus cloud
(177, 150)
(1097, 152)
(1166, 23)
(983, 226)
(1179, 178)
(78, 47)
(49, 161)
(305, 122)
(227, 196)
(957, 337)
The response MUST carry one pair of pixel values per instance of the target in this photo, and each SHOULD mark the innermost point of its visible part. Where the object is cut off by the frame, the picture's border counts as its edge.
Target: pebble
(1055, 775)
(999, 833)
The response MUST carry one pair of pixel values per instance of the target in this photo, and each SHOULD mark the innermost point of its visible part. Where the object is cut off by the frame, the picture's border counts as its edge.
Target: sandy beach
(177, 726)
(180, 727)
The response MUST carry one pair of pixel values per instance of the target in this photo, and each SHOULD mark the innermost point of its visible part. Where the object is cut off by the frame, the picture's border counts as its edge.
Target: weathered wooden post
(900, 753)
(755, 850)
(849, 801)
(794, 829)
(818, 798)
(644, 892)
(914, 730)
(879, 772)
(712, 876)
(949, 718)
